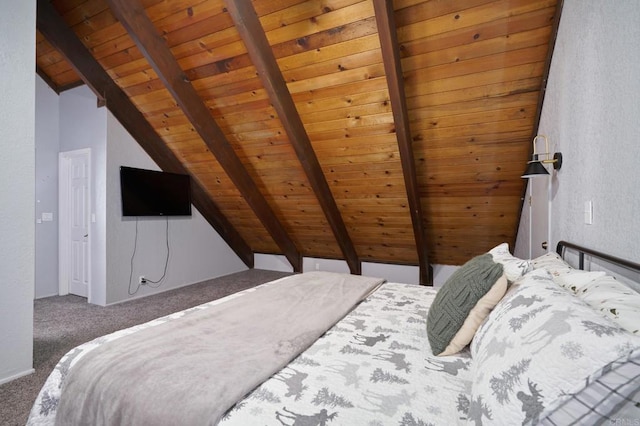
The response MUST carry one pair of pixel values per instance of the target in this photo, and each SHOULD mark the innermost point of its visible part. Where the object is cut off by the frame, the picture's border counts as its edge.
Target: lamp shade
(534, 169)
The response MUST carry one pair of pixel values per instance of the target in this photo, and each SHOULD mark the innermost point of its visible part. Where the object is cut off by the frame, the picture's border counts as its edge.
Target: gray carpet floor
(63, 322)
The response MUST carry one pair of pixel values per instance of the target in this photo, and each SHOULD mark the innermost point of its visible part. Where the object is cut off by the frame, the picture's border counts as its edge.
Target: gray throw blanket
(191, 370)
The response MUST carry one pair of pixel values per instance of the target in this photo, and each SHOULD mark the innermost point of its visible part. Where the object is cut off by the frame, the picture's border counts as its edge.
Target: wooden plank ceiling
(358, 130)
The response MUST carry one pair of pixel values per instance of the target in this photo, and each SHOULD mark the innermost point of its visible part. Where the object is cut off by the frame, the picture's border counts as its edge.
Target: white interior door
(75, 252)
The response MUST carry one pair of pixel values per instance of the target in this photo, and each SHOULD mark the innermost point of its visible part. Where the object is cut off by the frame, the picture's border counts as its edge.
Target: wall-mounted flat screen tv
(153, 193)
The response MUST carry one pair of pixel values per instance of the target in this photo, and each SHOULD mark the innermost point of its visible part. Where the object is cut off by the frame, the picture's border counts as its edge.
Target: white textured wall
(392, 273)
(197, 251)
(47, 147)
(17, 183)
(591, 114)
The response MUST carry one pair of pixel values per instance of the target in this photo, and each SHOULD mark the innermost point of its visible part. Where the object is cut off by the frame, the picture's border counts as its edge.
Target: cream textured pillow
(457, 297)
(514, 267)
(479, 312)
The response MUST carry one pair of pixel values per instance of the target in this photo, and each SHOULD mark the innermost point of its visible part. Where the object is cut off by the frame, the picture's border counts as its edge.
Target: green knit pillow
(457, 297)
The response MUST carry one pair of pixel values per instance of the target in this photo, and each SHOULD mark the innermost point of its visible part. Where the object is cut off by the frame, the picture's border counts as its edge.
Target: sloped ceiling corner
(358, 130)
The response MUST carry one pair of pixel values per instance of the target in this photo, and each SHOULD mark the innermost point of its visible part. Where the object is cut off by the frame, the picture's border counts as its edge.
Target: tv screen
(152, 193)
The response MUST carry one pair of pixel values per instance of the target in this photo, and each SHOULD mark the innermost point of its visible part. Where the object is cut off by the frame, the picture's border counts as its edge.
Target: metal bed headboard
(583, 250)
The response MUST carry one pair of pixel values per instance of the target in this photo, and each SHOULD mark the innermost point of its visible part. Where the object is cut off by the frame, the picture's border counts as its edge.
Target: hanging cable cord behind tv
(133, 255)
(166, 262)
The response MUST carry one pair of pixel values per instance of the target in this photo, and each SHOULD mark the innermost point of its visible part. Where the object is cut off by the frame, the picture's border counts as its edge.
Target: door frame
(540, 215)
(64, 246)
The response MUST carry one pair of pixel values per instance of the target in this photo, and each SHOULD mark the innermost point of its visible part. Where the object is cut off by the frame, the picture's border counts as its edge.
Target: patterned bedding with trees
(542, 356)
(552, 350)
(372, 368)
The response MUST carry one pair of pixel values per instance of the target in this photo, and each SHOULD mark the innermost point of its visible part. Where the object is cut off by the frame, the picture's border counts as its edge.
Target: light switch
(47, 217)
(588, 213)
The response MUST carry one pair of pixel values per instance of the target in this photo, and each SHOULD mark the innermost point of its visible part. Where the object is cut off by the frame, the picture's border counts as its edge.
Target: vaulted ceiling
(368, 130)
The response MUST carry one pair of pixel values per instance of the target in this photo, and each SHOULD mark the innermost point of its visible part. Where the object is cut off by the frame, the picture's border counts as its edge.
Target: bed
(551, 350)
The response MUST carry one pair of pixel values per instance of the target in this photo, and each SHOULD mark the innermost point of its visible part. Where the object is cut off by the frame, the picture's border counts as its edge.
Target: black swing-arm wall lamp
(536, 167)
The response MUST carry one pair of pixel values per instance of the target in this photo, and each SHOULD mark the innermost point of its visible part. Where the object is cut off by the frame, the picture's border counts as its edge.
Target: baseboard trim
(179, 286)
(16, 376)
(46, 295)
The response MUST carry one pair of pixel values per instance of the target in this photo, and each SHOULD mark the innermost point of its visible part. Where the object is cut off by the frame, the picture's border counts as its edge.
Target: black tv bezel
(157, 188)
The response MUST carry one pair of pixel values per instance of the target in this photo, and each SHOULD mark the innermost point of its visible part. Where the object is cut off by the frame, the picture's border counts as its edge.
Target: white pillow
(539, 346)
(614, 300)
(553, 263)
(577, 280)
(514, 267)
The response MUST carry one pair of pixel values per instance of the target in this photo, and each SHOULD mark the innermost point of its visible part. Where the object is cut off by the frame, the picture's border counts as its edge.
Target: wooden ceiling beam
(255, 40)
(75, 84)
(59, 89)
(64, 39)
(43, 75)
(393, 70)
(64, 45)
(132, 16)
